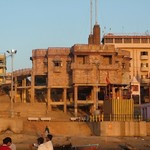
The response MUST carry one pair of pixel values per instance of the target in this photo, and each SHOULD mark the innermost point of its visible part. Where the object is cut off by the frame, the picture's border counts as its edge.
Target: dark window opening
(108, 59)
(40, 80)
(136, 40)
(109, 40)
(84, 93)
(123, 66)
(57, 94)
(144, 53)
(118, 40)
(82, 59)
(127, 40)
(57, 63)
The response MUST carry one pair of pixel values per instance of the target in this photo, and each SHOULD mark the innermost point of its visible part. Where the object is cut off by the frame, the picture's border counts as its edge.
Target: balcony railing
(144, 69)
(144, 56)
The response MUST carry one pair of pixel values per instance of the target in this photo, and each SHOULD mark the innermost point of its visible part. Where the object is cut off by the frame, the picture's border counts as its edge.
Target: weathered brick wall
(98, 61)
(12, 124)
(58, 75)
(38, 57)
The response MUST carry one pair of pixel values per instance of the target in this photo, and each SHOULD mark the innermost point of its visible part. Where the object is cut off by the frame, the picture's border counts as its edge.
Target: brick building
(82, 76)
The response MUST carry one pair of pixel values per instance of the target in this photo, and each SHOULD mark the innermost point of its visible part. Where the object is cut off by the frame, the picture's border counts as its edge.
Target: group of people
(44, 144)
(40, 145)
(7, 144)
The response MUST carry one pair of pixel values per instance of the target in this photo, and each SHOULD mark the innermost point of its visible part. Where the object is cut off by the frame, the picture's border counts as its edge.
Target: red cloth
(4, 147)
(107, 78)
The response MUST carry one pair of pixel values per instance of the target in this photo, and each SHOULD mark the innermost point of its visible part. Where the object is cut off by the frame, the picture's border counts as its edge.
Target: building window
(145, 65)
(109, 40)
(108, 59)
(136, 40)
(144, 53)
(144, 76)
(82, 59)
(40, 80)
(127, 40)
(123, 66)
(118, 40)
(57, 63)
(144, 40)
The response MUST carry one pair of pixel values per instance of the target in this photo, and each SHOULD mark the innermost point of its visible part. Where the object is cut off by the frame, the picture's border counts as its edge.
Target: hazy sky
(32, 24)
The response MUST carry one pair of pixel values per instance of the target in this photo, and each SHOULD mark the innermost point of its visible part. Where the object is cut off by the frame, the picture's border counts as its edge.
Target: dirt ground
(23, 141)
(103, 143)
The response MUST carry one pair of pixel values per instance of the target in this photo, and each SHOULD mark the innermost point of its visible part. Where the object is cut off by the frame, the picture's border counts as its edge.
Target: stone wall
(123, 128)
(12, 124)
(68, 128)
(148, 128)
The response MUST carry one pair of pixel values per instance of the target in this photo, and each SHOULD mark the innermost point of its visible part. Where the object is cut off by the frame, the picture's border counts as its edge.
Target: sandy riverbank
(23, 141)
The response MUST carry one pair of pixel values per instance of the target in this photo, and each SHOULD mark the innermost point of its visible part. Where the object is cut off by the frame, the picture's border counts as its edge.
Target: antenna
(91, 14)
(96, 12)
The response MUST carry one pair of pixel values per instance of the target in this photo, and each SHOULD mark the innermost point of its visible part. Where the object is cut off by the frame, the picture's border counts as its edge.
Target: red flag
(107, 78)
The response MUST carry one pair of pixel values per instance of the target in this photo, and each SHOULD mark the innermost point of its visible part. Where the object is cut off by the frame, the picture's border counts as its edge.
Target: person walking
(46, 131)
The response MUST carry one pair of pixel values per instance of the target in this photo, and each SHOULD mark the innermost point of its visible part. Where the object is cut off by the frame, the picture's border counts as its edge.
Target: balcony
(144, 57)
(144, 68)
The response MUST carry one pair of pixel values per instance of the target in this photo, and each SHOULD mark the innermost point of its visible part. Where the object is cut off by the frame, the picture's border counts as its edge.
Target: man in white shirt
(48, 144)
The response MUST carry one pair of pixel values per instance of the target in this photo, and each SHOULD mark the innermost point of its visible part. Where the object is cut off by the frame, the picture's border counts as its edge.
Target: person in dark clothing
(46, 131)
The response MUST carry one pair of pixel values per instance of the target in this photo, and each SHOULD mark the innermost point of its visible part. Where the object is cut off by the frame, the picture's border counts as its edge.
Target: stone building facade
(82, 76)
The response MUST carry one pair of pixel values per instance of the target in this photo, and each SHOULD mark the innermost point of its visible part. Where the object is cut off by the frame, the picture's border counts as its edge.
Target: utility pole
(11, 53)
